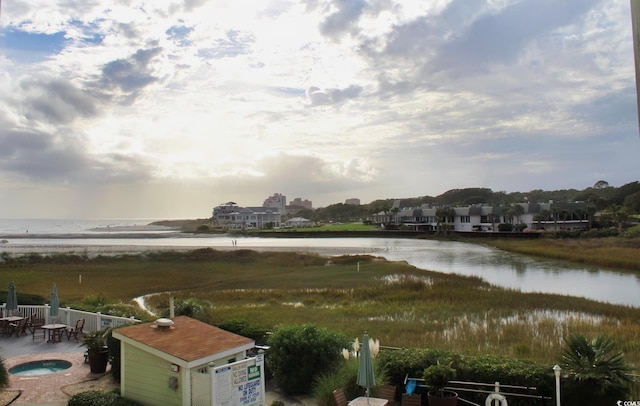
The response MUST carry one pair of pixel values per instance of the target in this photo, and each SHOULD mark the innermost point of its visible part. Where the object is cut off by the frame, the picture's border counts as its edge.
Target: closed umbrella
(12, 299)
(54, 303)
(366, 377)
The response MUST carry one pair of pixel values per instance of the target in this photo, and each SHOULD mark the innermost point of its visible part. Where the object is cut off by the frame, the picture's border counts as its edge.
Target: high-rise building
(307, 204)
(353, 201)
(277, 201)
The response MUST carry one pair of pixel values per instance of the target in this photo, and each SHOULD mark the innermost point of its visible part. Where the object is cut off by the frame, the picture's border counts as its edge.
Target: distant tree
(517, 212)
(444, 218)
(601, 184)
(632, 203)
(591, 212)
(395, 211)
(617, 215)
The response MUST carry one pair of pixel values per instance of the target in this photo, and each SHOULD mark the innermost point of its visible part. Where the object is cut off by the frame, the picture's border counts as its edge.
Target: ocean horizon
(69, 226)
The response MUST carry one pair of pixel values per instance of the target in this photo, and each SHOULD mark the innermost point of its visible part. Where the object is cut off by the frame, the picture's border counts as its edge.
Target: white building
(233, 217)
(298, 222)
(533, 216)
(276, 201)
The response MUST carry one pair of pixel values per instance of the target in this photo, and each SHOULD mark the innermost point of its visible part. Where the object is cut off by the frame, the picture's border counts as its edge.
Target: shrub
(98, 398)
(299, 354)
(438, 376)
(632, 232)
(245, 329)
(597, 373)
(343, 376)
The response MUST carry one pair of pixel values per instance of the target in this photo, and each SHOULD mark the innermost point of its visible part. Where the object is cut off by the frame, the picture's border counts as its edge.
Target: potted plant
(97, 351)
(436, 377)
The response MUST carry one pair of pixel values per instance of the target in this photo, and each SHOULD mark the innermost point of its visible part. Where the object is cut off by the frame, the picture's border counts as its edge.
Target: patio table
(55, 332)
(362, 401)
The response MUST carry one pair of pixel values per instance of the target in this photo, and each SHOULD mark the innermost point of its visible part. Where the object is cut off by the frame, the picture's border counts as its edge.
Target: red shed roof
(188, 339)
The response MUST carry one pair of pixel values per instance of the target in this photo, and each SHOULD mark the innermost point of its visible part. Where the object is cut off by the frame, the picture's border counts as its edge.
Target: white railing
(69, 316)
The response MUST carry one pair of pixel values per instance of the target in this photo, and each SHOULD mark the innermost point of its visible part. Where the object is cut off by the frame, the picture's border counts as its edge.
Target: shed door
(201, 387)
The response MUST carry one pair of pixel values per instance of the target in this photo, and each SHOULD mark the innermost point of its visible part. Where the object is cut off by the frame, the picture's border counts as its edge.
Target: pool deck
(44, 389)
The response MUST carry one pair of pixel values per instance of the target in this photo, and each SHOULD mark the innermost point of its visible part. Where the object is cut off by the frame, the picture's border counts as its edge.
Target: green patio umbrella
(54, 303)
(12, 300)
(366, 377)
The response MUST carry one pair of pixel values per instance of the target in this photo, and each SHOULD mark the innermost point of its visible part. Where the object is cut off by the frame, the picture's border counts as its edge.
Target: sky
(165, 109)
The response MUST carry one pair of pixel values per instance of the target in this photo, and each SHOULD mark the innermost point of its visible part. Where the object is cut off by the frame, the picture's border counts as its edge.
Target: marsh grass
(606, 252)
(400, 305)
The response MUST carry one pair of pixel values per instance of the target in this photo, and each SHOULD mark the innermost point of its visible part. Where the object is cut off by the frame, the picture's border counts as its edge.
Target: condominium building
(233, 217)
(277, 201)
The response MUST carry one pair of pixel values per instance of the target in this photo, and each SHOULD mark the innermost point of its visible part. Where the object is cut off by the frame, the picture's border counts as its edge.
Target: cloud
(234, 44)
(344, 18)
(318, 97)
(42, 157)
(56, 101)
(128, 77)
(315, 99)
(500, 37)
(180, 34)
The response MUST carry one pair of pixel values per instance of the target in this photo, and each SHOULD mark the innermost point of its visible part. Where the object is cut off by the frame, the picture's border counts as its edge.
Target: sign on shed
(240, 383)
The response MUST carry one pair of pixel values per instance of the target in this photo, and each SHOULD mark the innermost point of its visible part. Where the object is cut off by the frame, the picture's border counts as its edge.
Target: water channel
(495, 266)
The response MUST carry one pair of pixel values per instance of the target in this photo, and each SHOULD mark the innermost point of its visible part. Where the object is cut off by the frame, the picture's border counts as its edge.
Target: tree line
(617, 201)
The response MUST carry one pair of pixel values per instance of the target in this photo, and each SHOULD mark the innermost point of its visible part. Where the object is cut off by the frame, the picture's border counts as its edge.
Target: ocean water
(66, 226)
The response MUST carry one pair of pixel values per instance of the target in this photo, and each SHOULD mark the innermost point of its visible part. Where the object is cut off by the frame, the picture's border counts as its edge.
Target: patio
(44, 389)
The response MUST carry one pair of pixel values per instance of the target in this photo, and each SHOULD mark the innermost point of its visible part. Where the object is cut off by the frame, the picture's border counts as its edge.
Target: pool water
(32, 368)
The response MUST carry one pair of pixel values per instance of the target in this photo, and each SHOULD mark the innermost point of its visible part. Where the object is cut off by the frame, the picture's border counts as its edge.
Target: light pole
(556, 371)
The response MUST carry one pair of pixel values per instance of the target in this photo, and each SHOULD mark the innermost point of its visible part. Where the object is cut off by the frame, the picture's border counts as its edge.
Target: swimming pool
(43, 367)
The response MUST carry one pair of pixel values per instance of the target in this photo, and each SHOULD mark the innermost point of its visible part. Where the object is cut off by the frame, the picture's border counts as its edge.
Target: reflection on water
(495, 266)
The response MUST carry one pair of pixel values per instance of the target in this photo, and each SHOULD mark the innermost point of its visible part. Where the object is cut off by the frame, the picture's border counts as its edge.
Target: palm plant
(596, 368)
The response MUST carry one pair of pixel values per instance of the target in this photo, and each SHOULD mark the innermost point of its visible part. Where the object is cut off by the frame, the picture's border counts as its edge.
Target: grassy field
(398, 304)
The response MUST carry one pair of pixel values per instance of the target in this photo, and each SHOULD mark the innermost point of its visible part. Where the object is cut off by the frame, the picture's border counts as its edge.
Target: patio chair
(414, 399)
(387, 392)
(36, 327)
(18, 328)
(339, 398)
(74, 331)
(4, 327)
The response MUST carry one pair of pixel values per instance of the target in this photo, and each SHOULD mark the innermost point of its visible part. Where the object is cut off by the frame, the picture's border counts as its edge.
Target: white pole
(556, 371)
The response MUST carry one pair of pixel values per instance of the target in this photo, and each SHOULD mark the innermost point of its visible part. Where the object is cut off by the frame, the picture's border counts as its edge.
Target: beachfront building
(549, 216)
(305, 204)
(183, 361)
(230, 216)
(277, 201)
(298, 222)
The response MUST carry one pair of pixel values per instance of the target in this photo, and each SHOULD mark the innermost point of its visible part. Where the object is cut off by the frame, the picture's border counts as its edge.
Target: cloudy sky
(164, 109)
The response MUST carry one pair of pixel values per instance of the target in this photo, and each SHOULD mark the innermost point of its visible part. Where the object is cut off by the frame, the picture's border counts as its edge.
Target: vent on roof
(163, 324)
